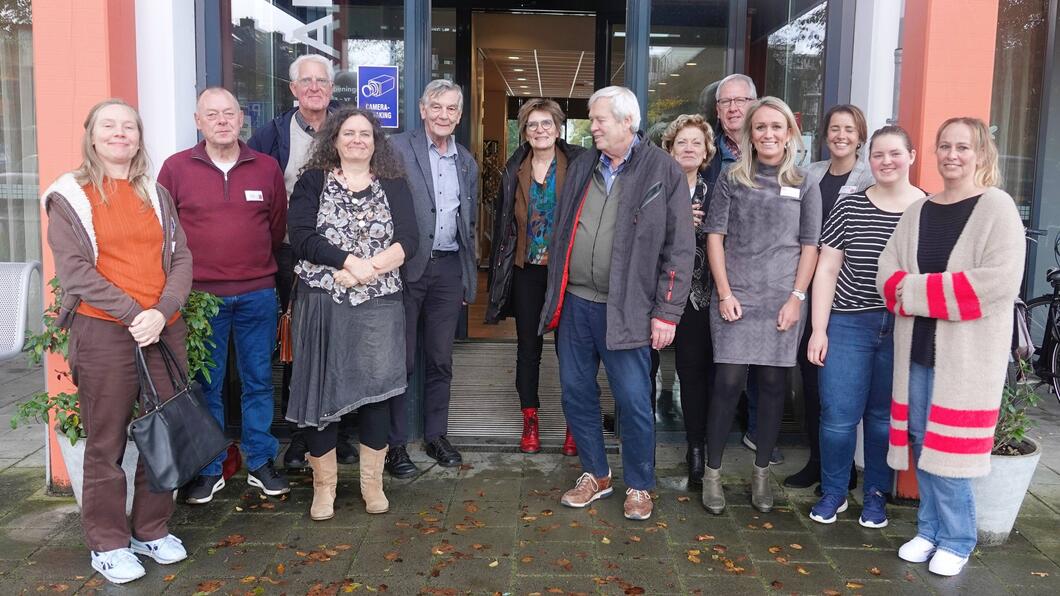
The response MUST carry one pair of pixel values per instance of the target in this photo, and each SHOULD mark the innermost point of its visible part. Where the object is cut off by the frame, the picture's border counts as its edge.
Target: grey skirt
(344, 356)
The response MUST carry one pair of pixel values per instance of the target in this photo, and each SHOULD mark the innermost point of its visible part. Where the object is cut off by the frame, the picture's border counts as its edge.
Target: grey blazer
(860, 177)
(412, 146)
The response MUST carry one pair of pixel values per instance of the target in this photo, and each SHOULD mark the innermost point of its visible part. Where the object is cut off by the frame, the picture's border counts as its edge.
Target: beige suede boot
(372, 461)
(325, 480)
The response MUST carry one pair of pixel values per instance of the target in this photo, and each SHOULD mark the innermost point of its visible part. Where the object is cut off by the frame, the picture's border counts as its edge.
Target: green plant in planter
(1014, 422)
(197, 312)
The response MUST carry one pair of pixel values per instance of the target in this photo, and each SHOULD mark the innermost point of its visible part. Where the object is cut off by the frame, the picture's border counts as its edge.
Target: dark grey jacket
(412, 146)
(651, 260)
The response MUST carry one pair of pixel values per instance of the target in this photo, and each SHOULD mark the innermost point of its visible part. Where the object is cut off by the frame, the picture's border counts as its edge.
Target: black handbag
(177, 437)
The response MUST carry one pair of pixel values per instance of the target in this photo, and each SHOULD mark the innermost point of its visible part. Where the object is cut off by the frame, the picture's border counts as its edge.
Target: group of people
(717, 241)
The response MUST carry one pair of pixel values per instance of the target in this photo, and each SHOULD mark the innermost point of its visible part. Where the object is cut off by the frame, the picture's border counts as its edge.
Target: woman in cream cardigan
(950, 273)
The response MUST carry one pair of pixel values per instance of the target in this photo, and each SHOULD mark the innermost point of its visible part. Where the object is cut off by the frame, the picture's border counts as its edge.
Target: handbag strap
(147, 387)
(177, 377)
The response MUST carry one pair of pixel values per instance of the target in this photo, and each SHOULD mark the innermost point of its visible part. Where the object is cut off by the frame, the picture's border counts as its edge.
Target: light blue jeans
(946, 516)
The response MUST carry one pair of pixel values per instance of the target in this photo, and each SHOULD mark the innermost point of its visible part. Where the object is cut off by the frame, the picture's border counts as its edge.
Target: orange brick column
(947, 70)
(83, 52)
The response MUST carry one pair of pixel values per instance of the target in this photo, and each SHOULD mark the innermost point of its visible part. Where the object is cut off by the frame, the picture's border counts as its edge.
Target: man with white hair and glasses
(617, 287)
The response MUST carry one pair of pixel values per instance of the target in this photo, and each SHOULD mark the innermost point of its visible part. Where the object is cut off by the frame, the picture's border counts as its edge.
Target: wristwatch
(799, 294)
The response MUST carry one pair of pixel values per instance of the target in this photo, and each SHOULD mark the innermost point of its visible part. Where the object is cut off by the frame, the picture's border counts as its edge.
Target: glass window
(19, 208)
(787, 57)
(1019, 64)
(687, 53)
(263, 37)
(443, 44)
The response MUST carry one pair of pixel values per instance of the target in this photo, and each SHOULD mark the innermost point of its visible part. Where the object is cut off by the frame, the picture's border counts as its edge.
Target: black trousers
(694, 360)
(374, 427)
(529, 283)
(433, 301)
(811, 395)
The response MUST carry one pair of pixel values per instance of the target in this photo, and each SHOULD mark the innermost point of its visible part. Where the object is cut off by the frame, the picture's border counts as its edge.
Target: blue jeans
(251, 319)
(946, 516)
(856, 384)
(581, 345)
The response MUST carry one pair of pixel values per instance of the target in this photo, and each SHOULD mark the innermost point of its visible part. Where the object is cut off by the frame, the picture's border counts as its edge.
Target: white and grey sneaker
(164, 551)
(202, 489)
(119, 566)
(269, 480)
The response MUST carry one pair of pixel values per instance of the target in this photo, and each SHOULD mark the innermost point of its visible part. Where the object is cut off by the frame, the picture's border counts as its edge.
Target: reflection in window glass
(687, 53)
(1022, 32)
(265, 36)
(794, 64)
(443, 44)
(19, 210)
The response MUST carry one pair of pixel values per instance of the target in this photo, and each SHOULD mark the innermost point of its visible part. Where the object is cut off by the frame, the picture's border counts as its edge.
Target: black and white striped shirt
(861, 230)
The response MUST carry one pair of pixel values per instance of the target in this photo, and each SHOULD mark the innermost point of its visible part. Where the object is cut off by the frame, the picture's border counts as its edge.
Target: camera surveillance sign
(377, 92)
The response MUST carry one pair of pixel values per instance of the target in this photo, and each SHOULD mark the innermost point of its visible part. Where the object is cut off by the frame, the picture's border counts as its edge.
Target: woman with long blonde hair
(125, 271)
(762, 229)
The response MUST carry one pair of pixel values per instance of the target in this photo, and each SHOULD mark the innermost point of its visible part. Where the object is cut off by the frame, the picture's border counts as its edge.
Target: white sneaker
(917, 550)
(164, 550)
(119, 566)
(946, 563)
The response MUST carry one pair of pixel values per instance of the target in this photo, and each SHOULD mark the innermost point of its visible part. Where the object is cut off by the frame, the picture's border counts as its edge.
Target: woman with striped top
(852, 330)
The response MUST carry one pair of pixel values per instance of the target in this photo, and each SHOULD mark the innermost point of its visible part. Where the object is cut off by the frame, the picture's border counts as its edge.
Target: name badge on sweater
(254, 195)
(849, 189)
(789, 191)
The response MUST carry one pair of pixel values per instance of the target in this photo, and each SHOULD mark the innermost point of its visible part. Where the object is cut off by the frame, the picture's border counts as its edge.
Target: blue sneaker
(874, 510)
(824, 512)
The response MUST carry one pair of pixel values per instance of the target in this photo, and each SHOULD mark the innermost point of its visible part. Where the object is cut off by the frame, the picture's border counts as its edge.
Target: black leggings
(694, 355)
(729, 382)
(374, 426)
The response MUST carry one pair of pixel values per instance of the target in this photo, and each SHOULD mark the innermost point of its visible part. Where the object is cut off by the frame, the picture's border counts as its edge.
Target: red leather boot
(531, 441)
(569, 448)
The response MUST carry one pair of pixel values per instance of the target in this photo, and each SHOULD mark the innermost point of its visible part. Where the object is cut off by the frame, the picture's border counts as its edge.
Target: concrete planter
(999, 495)
(74, 456)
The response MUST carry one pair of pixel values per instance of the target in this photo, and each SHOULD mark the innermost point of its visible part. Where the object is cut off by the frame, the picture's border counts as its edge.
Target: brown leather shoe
(588, 489)
(638, 504)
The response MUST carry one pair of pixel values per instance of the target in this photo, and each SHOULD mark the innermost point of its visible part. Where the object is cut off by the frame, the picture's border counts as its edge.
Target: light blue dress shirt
(446, 195)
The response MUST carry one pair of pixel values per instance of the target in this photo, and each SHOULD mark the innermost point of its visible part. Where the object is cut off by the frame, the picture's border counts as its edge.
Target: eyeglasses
(310, 81)
(737, 101)
(542, 124)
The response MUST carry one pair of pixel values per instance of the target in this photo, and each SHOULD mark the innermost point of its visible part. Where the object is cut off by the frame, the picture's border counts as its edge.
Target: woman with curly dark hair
(351, 225)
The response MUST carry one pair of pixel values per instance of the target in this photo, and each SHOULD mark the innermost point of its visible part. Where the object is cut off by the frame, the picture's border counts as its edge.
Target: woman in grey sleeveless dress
(763, 225)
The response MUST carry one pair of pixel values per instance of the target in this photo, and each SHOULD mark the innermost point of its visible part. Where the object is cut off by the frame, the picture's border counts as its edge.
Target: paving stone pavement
(495, 526)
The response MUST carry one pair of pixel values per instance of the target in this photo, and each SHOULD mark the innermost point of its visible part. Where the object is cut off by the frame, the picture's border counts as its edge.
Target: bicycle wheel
(1054, 367)
(1038, 322)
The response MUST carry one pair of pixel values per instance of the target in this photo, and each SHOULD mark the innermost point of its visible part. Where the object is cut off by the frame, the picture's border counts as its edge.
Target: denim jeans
(251, 319)
(856, 384)
(581, 345)
(946, 516)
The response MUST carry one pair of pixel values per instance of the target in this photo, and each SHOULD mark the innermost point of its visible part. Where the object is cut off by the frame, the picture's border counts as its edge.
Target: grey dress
(764, 231)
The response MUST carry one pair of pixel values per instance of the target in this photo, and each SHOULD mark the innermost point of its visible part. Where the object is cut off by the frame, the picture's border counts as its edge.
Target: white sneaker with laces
(917, 550)
(164, 551)
(119, 566)
(946, 563)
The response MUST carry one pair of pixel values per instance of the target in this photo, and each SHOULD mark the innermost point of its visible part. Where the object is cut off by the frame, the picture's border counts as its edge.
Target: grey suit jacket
(860, 177)
(412, 146)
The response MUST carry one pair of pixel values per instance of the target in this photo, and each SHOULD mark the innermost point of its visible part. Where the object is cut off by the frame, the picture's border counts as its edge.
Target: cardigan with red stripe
(972, 301)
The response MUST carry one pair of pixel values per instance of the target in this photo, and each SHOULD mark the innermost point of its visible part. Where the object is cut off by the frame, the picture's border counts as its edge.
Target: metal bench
(17, 292)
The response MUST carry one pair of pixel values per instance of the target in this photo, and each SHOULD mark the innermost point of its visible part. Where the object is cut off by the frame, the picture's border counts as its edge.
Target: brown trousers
(103, 366)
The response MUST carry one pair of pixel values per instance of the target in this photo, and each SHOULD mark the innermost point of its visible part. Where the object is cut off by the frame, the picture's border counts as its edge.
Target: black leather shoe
(808, 476)
(446, 454)
(346, 452)
(294, 457)
(399, 464)
(695, 457)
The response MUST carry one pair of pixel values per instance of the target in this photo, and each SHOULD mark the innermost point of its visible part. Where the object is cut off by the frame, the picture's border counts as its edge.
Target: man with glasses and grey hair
(443, 274)
(732, 96)
(617, 285)
(287, 139)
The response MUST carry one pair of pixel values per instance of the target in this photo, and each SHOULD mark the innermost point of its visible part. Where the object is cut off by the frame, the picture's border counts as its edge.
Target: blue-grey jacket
(412, 146)
(860, 177)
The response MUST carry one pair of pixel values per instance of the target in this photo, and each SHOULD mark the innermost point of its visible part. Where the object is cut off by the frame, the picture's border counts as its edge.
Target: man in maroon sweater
(233, 207)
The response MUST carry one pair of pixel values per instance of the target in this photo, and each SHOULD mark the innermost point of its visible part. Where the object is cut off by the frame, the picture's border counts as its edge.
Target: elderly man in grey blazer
(442, 276)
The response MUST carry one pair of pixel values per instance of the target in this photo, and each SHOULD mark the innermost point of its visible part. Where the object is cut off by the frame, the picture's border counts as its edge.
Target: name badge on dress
(790, 192)
(848, 189)
(254, 195)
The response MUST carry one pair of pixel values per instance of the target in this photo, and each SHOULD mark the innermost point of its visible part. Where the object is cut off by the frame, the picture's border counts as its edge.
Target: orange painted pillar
(83, 52)
(947, 70)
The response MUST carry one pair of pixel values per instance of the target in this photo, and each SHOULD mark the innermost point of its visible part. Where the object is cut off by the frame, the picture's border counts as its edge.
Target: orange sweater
(129, 238)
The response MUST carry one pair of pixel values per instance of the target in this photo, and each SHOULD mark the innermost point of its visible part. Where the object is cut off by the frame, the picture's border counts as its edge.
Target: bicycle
(1043, 320)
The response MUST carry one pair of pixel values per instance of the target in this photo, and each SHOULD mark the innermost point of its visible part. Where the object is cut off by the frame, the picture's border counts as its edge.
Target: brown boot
(372, 461)
(325, 479)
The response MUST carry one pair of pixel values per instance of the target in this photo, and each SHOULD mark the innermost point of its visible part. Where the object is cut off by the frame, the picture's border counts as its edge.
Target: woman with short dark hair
(522, 228)
(352, 226)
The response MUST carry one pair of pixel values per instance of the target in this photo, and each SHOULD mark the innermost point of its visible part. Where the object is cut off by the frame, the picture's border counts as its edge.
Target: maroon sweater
(234, 222)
